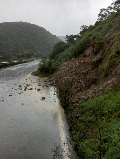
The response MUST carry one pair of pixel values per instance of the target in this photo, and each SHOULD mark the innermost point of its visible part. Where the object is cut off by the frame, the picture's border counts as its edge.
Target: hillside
(88, 85)
(101, 69)
(89, 90)
(86, 72)
(61, 38)
(25, 40)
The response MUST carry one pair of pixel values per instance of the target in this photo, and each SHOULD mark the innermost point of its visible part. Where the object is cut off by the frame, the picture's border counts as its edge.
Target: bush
(98, 45)
(112, 59)
(64, 93)
(58, 48)
(67, 54)
(81, 45)
(47, 66)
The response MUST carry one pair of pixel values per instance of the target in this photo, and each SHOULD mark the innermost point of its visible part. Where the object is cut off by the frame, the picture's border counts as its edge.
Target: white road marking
(64, 144)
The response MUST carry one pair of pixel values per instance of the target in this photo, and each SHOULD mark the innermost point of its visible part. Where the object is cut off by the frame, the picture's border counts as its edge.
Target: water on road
(31, 125)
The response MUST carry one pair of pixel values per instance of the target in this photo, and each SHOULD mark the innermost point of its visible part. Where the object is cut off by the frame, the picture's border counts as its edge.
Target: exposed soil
(84, 74)
(86, 81)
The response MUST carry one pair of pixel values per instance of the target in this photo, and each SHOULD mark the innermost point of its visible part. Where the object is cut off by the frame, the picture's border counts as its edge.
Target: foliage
(87, 35)
(98, 45)
(21, 39)
(81, 45)
(70, 39)
(63, 92)
(58, 48)
(106, 12)
(47, 66)
(83, 29)
(25, 54)
(95, 127)
(111, 59)
(67, 54)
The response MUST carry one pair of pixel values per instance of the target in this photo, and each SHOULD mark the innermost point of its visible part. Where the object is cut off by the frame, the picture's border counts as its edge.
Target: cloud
(60, 17)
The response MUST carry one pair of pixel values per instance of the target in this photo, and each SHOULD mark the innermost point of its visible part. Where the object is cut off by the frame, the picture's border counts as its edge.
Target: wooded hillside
(21, 39)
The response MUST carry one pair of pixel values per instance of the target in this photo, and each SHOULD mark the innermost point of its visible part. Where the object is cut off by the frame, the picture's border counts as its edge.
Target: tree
(106, 12)
(69, 38)
(116, 5)
(58, 48)
(83, 29)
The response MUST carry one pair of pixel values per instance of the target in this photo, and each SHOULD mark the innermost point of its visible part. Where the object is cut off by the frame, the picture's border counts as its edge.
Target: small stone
(43, 98)
(30, 89)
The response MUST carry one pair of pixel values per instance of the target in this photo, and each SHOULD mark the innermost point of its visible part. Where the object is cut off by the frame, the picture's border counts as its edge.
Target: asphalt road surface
(31, 119)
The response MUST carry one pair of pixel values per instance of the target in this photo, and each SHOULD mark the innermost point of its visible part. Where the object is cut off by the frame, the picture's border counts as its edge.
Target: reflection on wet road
(30, 120)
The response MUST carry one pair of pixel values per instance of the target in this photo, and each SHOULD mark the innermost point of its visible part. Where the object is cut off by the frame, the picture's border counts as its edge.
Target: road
(31, 119)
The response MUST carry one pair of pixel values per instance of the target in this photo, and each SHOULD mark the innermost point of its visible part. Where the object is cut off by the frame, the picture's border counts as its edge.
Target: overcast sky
(60, 17)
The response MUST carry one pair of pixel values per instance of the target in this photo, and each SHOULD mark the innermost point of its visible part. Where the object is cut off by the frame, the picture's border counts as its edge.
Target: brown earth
(86, 82)
(85, 79)
(84, 76)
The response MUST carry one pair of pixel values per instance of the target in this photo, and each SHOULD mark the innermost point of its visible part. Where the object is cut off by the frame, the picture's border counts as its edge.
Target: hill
(88, 85)
(61, 38)
(25, 40)
(89, 90)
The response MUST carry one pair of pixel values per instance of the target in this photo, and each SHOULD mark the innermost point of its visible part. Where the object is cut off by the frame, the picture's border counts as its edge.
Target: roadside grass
(95, 127)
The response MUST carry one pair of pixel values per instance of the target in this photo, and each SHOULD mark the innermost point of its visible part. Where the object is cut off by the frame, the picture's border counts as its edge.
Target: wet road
(31, 124)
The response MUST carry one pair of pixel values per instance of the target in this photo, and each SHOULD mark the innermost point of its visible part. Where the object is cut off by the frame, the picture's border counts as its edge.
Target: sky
(59, 17)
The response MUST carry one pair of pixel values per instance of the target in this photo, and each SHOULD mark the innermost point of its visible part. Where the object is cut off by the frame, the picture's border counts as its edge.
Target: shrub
(58, 48)
(67, 54)
(47, 66)
(98, 45)
(112, 58)
(81, 45)
(64, 93)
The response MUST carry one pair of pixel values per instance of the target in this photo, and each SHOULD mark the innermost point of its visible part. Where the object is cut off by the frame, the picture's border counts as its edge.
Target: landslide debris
(94, 74)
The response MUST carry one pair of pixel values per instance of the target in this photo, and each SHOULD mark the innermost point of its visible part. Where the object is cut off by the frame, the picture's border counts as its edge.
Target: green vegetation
(58, 48)
(111, 58)
(67, 54)
(89, 36)
(94, 124)
(21, 40)
(95, 127)
(63, 92)
(47, 66)
(98, 45)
